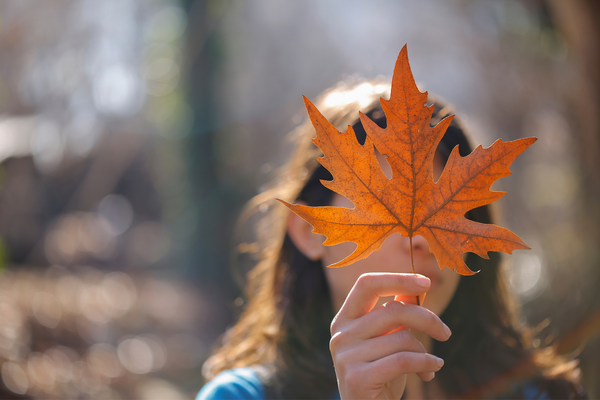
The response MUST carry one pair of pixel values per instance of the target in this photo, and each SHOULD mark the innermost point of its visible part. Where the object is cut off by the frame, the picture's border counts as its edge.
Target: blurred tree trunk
(209, 248)
(579, 21)
(211, 216)
(200, 155)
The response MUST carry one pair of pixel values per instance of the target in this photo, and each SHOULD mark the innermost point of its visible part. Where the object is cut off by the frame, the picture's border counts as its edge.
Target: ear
(309, 243)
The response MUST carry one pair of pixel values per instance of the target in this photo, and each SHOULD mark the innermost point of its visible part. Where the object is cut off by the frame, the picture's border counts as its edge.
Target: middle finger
(383, 346)
(394, 315)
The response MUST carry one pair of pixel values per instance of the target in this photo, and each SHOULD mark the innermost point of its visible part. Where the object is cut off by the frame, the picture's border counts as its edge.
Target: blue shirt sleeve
(532, 391)
(234, 384)
(526, 391)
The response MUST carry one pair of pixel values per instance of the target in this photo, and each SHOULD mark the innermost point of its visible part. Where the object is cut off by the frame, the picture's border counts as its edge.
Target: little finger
(392, 366)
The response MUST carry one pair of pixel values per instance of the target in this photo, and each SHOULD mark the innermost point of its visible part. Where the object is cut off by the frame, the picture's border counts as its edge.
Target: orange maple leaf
(411, 202)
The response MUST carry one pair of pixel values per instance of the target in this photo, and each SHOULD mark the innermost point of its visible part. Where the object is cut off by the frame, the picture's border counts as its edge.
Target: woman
(285, 345)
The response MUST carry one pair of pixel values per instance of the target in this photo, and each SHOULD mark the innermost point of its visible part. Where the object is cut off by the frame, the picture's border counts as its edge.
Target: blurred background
(133, 131)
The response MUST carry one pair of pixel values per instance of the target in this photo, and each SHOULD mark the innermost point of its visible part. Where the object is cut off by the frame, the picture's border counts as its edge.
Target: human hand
(372, 348)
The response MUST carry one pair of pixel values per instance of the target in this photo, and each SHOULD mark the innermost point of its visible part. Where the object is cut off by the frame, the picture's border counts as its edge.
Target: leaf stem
(412, 264)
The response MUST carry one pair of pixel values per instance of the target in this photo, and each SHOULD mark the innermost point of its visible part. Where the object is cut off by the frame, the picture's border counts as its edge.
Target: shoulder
(237, 383)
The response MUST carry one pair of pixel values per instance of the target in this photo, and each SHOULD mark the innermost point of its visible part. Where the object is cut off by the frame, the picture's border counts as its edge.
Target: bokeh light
(15, 378)
(71, 334)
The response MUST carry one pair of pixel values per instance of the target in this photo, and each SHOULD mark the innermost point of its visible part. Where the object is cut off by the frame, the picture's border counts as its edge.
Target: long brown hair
(284, 329)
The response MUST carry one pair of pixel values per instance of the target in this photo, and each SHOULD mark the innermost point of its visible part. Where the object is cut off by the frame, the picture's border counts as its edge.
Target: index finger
(370, 287)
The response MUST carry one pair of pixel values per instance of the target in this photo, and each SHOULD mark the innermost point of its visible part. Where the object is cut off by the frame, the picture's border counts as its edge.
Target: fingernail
(423, 281)
(447, 330)
(440, 362)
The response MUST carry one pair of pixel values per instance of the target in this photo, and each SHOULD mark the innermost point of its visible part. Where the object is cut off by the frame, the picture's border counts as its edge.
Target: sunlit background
(133, 131)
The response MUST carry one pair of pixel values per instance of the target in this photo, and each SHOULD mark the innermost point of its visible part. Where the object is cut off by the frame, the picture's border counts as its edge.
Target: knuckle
(403, 279)
(401, 361)
(342, 361)
(354, 377)
(404, 337)
(335, 343)
(433, 319)
(430, 362)
(393, 307)
(334, 327)
(364, 281)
